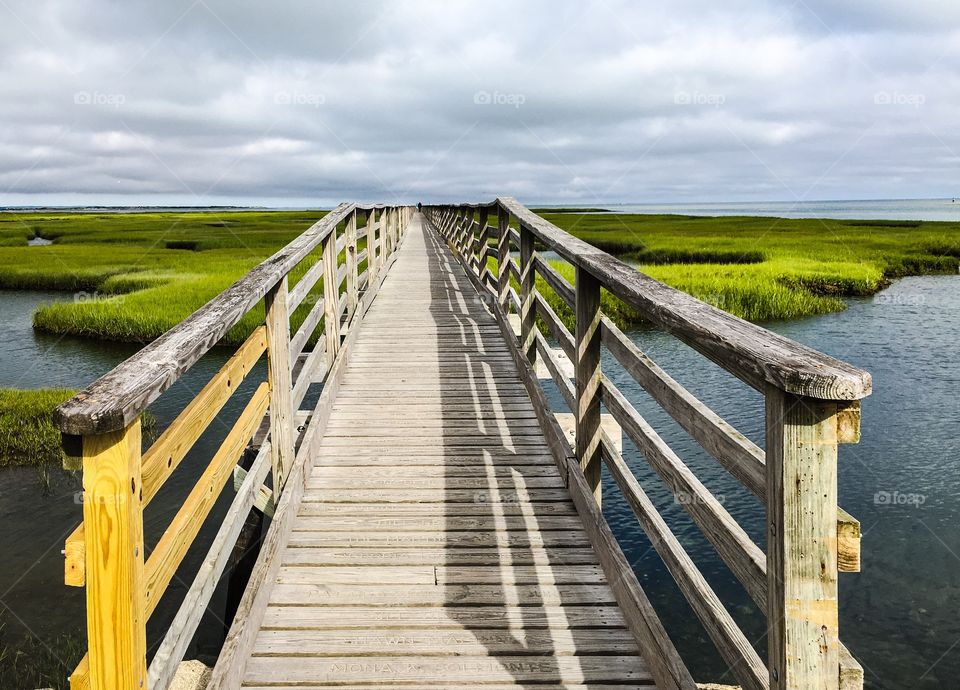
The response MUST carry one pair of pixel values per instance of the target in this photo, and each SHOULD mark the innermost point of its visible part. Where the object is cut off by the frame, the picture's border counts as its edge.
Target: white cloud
(305, 102)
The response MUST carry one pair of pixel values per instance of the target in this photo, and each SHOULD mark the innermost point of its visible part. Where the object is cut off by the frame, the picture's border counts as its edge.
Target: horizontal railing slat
(177, 639)
(730, 641)
(556, 281)
(742, 556)
(116, 399)
(179, 535)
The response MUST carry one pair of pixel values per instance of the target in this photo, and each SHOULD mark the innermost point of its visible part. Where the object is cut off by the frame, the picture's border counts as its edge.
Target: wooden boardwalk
(435, 542)
(433, 526)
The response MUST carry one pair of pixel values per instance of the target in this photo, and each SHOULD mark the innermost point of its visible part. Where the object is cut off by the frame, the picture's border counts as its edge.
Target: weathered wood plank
(117, 399)
(320, 643)
(752, 353)
(455, 670)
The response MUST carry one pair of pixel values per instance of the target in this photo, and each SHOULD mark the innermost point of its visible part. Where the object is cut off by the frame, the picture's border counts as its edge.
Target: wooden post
(503, 257)
(371, 246)
(282, 436)
(528, 314)
(482, 242)
(802, 617)
(331, 296)
(388, 231)
(394, 229)
(352, 273)
(588, 378)
(113, 529)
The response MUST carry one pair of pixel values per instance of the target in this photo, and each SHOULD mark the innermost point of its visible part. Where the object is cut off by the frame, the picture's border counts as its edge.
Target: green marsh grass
(765, 269)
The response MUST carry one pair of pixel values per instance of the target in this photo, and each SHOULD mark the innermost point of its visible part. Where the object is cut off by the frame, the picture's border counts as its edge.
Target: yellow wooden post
(113, 526)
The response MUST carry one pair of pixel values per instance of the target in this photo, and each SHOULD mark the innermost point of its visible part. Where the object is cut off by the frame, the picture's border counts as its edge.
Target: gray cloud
(213, 101)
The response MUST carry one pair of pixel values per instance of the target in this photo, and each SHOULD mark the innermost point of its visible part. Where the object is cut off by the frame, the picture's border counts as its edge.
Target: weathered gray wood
(587, 369)
(303, 287)
(331, 295)
(528, 312)
(750, 352)
(300, 339)
(730, 641)
(738, 454)
(667, 667)
(742, 556)
(116, 399)
(503, 258)
(282, 433)
(352, 293)
(557, 329)
(177, 639)
(556, 281)
(802, 615)
(231, 664)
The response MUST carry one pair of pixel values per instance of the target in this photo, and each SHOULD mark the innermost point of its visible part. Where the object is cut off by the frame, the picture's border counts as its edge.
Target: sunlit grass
(764, 269)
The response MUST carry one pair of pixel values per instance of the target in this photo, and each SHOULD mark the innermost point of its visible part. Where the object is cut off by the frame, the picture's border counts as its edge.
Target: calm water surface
(898, 616)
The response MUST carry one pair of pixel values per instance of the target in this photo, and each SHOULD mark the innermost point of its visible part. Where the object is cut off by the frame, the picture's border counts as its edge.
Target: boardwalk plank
(435, 543)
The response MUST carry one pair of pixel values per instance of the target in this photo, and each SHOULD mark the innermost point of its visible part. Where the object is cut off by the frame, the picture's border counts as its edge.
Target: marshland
(881, 293)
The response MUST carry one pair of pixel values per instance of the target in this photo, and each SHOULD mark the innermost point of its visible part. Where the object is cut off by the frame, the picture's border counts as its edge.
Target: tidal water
(870, 209)
(898, 616)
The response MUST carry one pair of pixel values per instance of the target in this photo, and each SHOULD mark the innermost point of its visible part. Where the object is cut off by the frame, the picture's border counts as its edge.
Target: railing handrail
(117, 398)
(106, 553)
(809, 410)
(750, 352)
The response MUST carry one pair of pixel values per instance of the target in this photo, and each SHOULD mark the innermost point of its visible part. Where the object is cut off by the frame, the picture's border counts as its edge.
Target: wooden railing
(812, 405)
(102, 429)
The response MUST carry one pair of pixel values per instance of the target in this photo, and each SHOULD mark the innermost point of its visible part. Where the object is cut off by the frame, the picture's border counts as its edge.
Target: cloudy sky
(313, 102)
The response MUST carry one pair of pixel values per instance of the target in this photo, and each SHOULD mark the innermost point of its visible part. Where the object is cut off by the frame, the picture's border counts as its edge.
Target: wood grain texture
(376, 561)
(282, 433)
(587, 370)
(113, 526)
(179, 535)
(802, 615)
(750, 352)
(116, 399)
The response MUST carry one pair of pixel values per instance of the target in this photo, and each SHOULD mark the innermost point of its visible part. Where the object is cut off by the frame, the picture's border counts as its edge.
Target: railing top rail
(117, 398)
(752, 353)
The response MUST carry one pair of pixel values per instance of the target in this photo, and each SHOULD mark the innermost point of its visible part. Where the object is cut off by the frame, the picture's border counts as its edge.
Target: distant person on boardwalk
(419, 207)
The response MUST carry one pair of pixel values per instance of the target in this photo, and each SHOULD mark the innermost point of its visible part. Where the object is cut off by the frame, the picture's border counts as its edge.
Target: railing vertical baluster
(528, 314)
(331, 296)
(371, 246)
(395, 214)
(503, 257)
(463, 239)
(387, 232)
(113, 529)
(588, 378)
(279, 376)
(482, 243)
(802, 615)
(352, 271)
